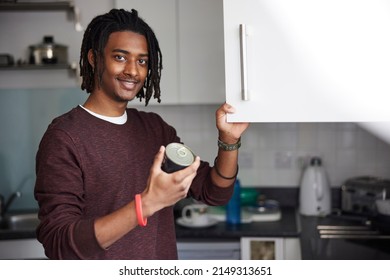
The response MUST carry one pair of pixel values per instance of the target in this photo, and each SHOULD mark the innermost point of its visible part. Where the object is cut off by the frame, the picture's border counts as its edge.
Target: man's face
(126, 65)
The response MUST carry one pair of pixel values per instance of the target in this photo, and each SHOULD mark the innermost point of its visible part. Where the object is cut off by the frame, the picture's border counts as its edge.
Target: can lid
(179, 154)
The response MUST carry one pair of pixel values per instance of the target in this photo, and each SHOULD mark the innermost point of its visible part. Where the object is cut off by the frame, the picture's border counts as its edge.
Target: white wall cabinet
(161, 17)
(190, 34)
(307, 61)
(208, 250)
(200, 26)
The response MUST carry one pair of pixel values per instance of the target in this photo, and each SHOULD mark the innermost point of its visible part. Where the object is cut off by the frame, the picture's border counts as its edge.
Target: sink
(25, 221)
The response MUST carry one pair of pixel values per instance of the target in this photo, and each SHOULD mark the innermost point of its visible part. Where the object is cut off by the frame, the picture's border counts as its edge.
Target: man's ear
(91, 58)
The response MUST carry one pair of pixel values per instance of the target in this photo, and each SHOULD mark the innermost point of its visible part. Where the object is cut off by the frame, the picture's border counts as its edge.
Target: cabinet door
(262, 248)
(270, 248)
(190, 34)
(161, 17)
(201, 68)
(308, 61)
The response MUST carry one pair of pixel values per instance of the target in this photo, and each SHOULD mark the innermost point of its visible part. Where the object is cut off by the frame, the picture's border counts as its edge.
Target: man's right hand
(165, 189)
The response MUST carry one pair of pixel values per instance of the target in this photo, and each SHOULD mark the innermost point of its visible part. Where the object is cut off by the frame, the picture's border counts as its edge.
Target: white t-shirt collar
(115, 120)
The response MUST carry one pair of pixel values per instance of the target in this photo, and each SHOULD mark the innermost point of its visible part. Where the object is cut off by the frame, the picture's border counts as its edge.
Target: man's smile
(128, 84)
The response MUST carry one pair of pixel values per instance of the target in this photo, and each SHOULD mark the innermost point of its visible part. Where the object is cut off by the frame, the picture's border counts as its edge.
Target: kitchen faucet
(4, 205)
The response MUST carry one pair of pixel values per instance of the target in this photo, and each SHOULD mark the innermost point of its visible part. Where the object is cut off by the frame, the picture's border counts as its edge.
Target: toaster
(358, 194)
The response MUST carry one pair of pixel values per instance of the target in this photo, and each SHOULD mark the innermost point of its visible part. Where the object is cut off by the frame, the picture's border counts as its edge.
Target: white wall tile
(307, 136)
(365, 140)
(346, 149)
(326, 137)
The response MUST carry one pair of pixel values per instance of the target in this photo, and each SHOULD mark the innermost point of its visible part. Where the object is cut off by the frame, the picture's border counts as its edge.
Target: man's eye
(143, 61)
(119, 57)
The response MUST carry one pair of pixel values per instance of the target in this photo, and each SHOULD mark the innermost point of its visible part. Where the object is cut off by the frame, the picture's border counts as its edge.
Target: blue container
(233, 208)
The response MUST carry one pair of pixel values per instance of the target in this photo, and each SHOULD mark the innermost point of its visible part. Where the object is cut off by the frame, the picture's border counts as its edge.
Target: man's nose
(131, 68)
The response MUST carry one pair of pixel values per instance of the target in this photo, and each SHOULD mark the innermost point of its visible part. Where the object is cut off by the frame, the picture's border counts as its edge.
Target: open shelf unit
(67, 6)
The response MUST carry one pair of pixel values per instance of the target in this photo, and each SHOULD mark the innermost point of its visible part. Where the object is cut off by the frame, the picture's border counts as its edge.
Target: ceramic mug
(195, 214)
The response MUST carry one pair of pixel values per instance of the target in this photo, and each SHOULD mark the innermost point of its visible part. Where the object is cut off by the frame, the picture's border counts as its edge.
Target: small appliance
(358, 194)
(315, 193)
(48, 52)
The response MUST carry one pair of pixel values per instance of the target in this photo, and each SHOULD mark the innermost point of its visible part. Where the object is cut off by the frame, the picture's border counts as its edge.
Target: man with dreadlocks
(100, 187)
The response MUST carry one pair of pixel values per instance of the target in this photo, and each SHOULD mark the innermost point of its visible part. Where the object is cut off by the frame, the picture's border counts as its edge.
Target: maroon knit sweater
(87, 167)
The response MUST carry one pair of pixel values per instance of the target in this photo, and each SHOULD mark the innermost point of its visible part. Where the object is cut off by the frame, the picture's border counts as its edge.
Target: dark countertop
(287, 226)
(291, 225)
(313, 247)
(16, 234)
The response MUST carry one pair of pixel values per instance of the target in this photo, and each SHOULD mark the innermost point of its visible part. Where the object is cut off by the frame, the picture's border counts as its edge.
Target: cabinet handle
(243, 56)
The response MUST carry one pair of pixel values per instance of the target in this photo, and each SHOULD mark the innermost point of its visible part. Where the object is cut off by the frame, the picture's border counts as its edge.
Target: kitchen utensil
(48, 52)
(210, 222)
(195, 214)
(315, 191)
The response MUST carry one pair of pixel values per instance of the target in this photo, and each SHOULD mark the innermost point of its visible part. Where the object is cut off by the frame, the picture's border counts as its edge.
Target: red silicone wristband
(138, 210)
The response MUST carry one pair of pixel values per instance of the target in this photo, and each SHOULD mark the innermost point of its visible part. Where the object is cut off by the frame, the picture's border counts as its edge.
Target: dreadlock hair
(95, 39)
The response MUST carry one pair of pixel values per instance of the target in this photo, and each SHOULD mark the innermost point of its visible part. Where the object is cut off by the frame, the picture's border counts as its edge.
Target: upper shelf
(44, 6)
(36, 6)
(72, 67)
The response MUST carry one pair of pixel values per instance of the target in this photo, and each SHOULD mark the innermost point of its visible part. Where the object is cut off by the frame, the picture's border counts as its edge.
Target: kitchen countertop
(313, 247)
(291, 225)
(16, 234)
(287, 226)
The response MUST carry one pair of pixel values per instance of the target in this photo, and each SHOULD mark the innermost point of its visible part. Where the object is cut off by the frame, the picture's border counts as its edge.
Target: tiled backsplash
(271, 154)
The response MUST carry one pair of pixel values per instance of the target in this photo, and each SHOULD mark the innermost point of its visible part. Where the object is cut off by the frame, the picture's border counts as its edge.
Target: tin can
(177, 156)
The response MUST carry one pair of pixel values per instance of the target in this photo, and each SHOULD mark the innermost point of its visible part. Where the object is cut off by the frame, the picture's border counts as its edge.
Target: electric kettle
(315, 193)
